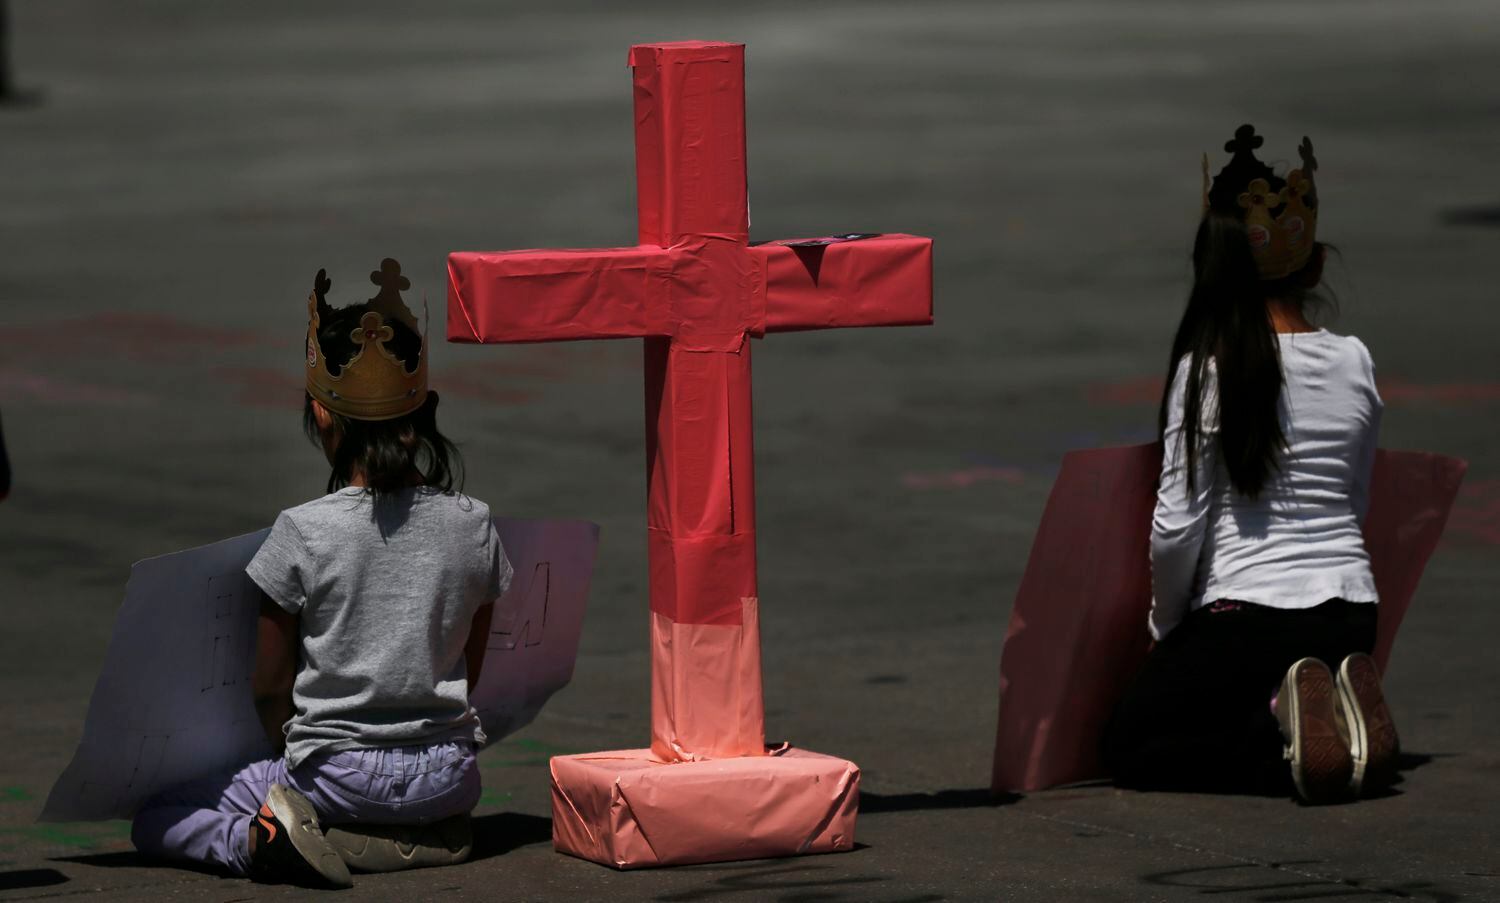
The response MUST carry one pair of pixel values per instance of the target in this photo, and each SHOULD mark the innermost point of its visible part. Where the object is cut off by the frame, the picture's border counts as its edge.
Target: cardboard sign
(1077, 633)
(173, 701)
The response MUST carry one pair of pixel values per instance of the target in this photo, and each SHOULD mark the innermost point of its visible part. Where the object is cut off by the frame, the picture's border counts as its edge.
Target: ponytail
(1227, 323)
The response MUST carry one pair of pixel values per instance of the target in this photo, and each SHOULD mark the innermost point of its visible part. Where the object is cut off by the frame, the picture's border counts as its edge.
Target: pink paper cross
(696, 291)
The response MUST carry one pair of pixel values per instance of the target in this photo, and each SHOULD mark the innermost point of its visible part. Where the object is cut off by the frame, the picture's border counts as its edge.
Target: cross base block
(626, 809)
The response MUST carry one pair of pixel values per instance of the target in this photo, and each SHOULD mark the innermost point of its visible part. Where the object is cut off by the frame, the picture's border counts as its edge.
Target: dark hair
(1227, 322)
(386, 452)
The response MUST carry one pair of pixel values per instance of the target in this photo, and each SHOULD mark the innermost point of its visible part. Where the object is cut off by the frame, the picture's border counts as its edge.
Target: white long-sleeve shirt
(1298, 544)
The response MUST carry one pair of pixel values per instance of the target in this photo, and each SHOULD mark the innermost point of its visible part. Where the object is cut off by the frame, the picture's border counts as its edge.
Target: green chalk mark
(525, 753)
(542, 746)
(14, 794)
(82, 835)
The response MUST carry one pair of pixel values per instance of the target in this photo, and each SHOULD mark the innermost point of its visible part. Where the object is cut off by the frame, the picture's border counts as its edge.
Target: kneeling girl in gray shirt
(377, 605)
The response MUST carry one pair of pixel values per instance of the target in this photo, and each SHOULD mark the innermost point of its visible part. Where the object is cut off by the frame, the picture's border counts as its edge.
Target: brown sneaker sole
(395, 848)
(1373, 741)
(1320, 760)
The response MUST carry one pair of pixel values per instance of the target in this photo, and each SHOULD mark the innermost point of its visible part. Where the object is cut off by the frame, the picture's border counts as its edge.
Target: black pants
(1198, 717)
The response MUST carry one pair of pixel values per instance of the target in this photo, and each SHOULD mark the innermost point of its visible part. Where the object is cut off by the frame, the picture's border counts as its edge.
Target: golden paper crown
(373, 384)
(1280, 215)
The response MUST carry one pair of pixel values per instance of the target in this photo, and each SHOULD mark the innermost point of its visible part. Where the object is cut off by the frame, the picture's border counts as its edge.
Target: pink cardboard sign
(1077, 631)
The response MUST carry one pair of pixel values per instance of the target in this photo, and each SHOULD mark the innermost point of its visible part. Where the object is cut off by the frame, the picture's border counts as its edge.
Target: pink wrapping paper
(700, 482)
(700, 286)
(706, 700)
(1078, 629)
(550, 296)
(883, 280)
(690, 141)
(627, 810)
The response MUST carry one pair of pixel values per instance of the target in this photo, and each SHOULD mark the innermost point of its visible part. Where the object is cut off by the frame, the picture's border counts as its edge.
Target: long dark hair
(386, 452)
(1227, 322)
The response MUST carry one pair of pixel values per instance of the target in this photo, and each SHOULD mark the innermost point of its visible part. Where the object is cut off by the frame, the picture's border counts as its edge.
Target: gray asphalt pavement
(184, 169)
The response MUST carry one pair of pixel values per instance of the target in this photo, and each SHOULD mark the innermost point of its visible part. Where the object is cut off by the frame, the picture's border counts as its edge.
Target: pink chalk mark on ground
(529, 368)
(23, 386)
(1148, 389)
(138, 336)
(264, 387)
(462, 385)
(282, 387)
(1442, 393)
(1476, 512)
(1137, 390)
(963, 479)
(517, 378)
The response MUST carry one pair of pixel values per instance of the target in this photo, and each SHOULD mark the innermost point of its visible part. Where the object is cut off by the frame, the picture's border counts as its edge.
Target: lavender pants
(208, 820)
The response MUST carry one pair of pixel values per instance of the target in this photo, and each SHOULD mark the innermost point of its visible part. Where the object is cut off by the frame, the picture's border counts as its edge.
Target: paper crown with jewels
(373, 384)
(1280, 215)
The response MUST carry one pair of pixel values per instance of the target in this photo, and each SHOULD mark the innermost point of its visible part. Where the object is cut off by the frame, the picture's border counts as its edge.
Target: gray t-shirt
(386, 594)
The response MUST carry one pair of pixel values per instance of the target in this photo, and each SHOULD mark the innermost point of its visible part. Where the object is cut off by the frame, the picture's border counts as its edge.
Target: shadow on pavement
(978, 798)
(23, 878)
(130, 859)
(1405, 762)
(498, 834)
(1410, 761)
(783, 880)
(1472, 216)
(120, 859)
(494, 835)
(1274, 783)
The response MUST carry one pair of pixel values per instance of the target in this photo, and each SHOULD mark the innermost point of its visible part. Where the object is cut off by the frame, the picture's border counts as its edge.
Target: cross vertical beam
(700, 511)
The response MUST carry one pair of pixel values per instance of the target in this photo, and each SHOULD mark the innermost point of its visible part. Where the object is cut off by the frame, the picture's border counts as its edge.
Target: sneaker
(1372, 732)
(289, 845)
(1307, 709)
(394, 848)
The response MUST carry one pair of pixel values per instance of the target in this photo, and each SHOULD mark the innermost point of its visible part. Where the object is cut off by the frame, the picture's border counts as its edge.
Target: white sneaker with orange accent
(289, 845)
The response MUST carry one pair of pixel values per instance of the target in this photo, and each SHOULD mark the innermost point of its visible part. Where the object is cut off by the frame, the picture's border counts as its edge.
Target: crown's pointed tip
(1244, 141)
(389, 275)
(1309, 159)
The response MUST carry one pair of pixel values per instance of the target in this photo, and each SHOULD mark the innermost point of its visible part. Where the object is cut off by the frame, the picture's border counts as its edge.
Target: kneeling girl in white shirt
(1264, 603)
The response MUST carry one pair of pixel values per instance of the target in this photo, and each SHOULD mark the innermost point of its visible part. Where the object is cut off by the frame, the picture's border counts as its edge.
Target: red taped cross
(694, 289)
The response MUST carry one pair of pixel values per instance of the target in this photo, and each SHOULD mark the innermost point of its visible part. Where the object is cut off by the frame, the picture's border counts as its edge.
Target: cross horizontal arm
(882, 280)
(549, 296)
(704, 287)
